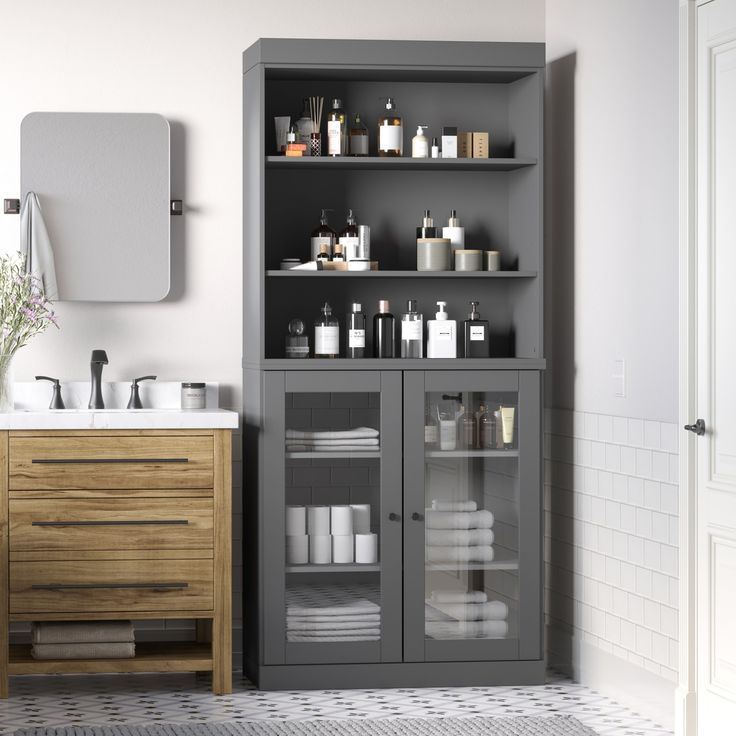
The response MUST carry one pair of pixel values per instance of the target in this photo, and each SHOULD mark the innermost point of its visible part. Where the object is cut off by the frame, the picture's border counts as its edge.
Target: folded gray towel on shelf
(459, 519)
(452, 596)
(459, 537)
(466, 629)
(358, 432)
(489, 611)
(81, 632)
(316, 639)
(328, 623)
(454, 505)
(460, 554)
(94, 650)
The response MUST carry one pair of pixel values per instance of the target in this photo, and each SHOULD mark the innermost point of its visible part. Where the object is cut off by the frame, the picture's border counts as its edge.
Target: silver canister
(468, 260)
(193, 395)
(364, 243)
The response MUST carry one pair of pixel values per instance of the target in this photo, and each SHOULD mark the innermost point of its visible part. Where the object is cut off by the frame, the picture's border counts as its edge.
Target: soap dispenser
(441, 334)
(323, 234)
(420, 144)
(454, 232)
(476, 341)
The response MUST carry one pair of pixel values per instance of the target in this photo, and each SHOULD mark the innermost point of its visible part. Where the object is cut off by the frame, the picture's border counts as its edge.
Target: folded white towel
(467, 629)
(454, 505)
(85, 632)
(316, 639)
(326, 448)
(460, 554)
(94, 650)
(358, 606)
(367, 441)
(370, 631)
(459, 519)
(35, 245)
(459, 537)
(451, 596)
(294, 623)
(358, 432)
(490, 611)
(361, 618)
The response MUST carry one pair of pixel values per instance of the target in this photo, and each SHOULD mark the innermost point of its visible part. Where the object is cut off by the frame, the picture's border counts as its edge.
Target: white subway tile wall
(611, 543)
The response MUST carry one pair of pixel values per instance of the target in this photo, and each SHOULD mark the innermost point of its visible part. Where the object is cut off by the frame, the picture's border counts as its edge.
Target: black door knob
(394, 517)
(698, 427)
(417, 517)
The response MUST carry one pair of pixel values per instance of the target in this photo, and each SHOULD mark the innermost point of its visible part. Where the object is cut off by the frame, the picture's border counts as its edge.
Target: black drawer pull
(107, 586)
(141, 522)
(110, 460)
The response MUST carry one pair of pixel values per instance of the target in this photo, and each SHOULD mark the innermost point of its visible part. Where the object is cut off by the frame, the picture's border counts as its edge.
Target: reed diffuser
(315, 138)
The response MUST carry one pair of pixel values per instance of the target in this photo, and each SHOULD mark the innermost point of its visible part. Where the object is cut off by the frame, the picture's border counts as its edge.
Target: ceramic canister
(468, 260)
(433, 254)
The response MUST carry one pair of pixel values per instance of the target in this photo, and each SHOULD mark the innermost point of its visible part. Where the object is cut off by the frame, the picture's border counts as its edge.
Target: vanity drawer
(89, 586)
(119, 524)
(111, 461)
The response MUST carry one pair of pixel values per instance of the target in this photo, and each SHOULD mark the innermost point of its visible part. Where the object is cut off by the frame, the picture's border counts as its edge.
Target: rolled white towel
(459, 519)
(490, 611)
(459, 537)
(452, 596)
(460, 554)
(454, 505)
(358, 432)
(467, 629)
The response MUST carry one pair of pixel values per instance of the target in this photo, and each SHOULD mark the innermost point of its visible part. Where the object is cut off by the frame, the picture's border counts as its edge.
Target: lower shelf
(149, 657)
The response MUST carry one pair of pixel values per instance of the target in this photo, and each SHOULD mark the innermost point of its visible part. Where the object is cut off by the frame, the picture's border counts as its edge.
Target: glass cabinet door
(472, 508)
(332, 449)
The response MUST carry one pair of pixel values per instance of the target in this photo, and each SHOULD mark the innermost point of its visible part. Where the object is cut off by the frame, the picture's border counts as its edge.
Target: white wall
(182, 58)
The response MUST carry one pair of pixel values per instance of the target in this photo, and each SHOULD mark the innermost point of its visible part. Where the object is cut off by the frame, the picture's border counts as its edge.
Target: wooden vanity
(118, 524)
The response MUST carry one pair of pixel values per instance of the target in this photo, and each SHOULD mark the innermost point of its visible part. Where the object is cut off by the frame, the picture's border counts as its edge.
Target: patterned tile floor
(136, 699)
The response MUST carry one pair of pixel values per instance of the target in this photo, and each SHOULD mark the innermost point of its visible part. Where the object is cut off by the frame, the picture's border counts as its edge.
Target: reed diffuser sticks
(315, 111)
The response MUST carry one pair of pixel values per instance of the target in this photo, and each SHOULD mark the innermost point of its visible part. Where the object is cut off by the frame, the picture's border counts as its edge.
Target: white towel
(452, 596)
(459, 537)
(323, 448)
(454, 505)
(460, 554)
(371, 631)
(294, 623)
(368, 441)
(490, 611)
(35, 245)
(359, 605)
(358, 432)
(361, 618)
(316, 639)
(459, 519)
(467, 629)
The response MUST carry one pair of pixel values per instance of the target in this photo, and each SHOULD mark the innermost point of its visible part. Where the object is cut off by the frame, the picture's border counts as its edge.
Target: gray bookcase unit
(495, 87)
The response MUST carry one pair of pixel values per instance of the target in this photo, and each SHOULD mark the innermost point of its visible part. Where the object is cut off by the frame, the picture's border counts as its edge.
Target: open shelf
(149, 657)
(405, 163)
(333, 567)
(275, 273)
(353, 455)
(471, 453)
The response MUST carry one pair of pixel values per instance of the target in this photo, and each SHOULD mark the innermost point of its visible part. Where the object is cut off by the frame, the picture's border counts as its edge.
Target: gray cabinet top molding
(279, 52)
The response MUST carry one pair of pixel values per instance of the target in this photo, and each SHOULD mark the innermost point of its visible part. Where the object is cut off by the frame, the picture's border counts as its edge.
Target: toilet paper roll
(341, 520)
(320, 552)
(342, 548)
(297, 549)
(366, 549)
(296, 521)
(318, 520)
(361, 518)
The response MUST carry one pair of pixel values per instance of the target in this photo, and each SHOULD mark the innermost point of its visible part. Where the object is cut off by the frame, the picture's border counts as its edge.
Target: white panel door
(716, 458)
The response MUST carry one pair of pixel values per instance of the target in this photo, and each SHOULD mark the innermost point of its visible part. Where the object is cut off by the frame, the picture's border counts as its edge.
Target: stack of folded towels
(82, 640)
(332, 613)
(453, 615)
(360, 439)
(458, 532)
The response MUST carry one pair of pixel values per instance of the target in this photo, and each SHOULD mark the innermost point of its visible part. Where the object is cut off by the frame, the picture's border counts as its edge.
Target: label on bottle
(430, 434)
(334, 138)
(317, 242)
(359, 145)
(444, 332)
(411, 330)
(389, 137)
(478, 332)
(349, 245)
(356, 338)
(326, 340)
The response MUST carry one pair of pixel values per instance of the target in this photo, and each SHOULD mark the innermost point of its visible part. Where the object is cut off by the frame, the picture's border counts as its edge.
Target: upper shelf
(405, 274)
(403, 163)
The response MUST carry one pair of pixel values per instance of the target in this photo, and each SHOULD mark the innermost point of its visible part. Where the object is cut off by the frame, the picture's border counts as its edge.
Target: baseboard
(645, 693)
(685, 713)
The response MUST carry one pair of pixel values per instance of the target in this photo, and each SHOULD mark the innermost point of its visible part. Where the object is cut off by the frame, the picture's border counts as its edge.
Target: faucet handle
(135, 399)
(56, 401)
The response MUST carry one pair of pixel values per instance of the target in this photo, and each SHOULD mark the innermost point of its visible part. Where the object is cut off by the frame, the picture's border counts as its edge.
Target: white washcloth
(358, 432)
(368, 441)
(490, 611)
(372, 631)
(459, 519)
(459, 537)
(323, 448)
(452, 596)
(361, 619)
(467, 629)
(301, 624)
(454, 505)
(460, 554)
(35, 245)
(316, 639)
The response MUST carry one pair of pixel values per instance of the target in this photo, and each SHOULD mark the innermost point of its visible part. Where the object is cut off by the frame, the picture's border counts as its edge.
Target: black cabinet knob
(698, 427)
(417, 517)
(394, 517)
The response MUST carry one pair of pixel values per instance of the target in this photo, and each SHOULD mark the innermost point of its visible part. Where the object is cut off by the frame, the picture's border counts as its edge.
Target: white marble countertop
(161, 399)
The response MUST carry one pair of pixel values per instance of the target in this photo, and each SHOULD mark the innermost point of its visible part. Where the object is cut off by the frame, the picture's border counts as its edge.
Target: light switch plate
(619, 378)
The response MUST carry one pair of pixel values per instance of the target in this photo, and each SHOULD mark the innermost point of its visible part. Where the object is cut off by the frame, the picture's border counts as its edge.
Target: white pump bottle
(420, 144)
(441, 335)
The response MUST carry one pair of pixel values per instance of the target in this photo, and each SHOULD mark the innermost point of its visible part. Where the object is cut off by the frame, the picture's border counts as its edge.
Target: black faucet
(98, 359)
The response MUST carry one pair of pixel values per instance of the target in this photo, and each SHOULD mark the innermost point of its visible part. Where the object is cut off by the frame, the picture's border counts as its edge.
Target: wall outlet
(619, 378)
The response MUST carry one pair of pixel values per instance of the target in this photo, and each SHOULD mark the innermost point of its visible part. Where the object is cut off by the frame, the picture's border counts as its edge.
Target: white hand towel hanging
(35, 245)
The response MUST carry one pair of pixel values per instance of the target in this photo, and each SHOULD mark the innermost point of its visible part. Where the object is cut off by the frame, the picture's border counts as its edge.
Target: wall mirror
(103, 182)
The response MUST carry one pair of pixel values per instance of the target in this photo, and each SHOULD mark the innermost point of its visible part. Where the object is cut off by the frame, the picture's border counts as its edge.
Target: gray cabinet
(453, 595)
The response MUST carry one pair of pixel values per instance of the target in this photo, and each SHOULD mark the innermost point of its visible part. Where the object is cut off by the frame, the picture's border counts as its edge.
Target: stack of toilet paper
(321, 535)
